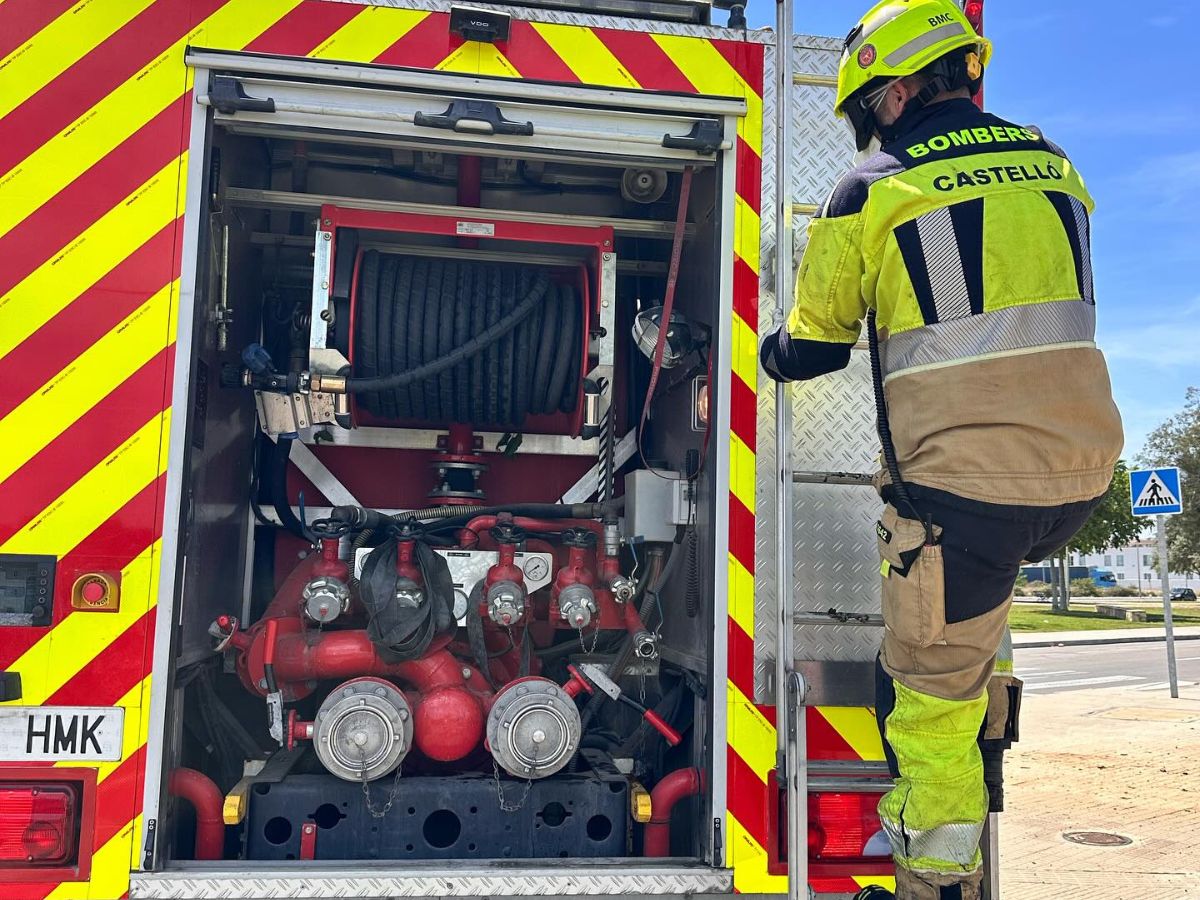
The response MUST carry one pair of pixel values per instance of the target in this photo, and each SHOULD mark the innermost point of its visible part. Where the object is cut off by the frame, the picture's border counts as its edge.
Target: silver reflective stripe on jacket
(1002, 332)
(955, 845)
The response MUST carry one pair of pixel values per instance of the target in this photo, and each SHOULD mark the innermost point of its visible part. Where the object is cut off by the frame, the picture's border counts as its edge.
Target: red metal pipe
(470, 180)
(206, 798)
(481, 524)
(675, 786)
(633, 619)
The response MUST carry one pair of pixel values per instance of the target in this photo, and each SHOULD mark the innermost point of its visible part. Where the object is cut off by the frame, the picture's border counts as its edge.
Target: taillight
(39, 824)
(845, 827)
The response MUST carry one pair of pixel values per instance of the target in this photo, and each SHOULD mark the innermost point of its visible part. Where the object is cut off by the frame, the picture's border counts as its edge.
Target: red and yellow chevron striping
(94, 109)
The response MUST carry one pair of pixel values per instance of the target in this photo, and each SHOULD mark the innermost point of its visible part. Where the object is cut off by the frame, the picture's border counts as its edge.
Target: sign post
(1155, 492)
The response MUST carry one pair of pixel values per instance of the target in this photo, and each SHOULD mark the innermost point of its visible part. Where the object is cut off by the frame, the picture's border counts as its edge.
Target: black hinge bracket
(478, 116)
(227, 96)
(484, 25)
(148, 856)
(705, 138)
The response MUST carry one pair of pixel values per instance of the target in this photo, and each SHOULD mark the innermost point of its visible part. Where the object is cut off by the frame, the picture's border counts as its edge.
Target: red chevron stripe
(97, 74)
(645, 60)
(125, 534)
(119, 797)
(88, 318)
(745, 293)
(824, 741)
(424, 45)
(83, 445)
(748, 179)
(741, 533)
(746, 58)
(747, 797)
(533, 57)
(68, 213)
(19, 21)
(304, 28)
(741, 659)
(743, 412)
(113, 672)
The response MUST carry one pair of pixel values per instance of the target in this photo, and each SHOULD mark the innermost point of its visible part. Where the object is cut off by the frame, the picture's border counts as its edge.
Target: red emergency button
(96, 592)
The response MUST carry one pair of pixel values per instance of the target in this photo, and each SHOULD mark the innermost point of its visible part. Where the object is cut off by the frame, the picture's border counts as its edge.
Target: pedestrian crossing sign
(1155, 492)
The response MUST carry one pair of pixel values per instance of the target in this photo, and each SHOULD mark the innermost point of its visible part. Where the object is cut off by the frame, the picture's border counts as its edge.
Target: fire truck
(390, 504)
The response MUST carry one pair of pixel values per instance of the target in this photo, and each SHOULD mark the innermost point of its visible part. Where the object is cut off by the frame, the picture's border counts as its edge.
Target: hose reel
(410, 310)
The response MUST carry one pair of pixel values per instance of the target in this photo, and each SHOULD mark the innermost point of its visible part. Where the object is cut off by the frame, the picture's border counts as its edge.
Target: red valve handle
(656, 721)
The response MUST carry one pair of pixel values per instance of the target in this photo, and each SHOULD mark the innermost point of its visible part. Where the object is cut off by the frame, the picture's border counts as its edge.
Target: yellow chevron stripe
(369, 33)
(97, 495)
(586, 55)
(136, 705)
(59, 46)
(750, 735)
(857, 726)
(742, 480)
(492, 62)
(111, 865)
(63, 652)
(741, 595)
(747, 232)
(749, 861)
(116, 234)
(85, 381)
(884, 881)
(711, 73)
(77, 147)
(745, 352)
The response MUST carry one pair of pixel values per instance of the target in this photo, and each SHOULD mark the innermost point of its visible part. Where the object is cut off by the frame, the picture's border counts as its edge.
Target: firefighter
(963, 240)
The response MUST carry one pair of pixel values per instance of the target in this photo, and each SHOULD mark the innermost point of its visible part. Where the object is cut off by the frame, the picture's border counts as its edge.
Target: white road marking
(1025, 676)
(1082, 682)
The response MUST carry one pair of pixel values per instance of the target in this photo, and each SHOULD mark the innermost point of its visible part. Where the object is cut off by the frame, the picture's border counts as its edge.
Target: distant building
(1134, 565)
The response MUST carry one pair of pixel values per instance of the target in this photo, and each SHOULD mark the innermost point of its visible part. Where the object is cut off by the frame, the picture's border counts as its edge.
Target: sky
(1106, 80)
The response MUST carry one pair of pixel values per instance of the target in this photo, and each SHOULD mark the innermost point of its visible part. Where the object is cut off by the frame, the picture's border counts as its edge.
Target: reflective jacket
(969, 235)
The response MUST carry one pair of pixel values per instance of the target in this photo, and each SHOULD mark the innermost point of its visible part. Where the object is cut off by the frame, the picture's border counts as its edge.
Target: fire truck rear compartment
(464, 616)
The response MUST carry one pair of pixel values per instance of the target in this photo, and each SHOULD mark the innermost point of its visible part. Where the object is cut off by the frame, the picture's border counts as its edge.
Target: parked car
(1183, 594)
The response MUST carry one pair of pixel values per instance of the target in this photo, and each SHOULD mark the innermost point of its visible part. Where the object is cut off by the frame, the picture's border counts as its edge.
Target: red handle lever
(656, 721)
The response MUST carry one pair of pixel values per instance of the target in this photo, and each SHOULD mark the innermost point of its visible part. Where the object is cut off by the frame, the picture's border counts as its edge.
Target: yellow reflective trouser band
(934, 815)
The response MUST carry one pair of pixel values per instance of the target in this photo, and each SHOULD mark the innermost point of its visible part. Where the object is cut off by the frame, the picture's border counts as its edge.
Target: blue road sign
(1155, 492)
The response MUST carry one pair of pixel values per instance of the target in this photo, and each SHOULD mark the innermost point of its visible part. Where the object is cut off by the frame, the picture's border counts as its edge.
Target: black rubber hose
(403, 298)
(278, 486)
(428, 369)
(571, 387)
(562, 353)
(547, 343)
(508, 293)
(461, 377)
(365, 359)
(385, 305)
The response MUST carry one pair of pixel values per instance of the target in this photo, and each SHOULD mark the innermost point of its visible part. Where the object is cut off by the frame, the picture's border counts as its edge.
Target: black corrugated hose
(451, 340)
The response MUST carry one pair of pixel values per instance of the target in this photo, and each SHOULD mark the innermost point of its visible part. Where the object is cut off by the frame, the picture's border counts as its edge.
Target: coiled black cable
(446, 340)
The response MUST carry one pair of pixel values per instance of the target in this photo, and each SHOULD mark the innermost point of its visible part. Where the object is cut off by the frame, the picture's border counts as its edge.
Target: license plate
(54, 733)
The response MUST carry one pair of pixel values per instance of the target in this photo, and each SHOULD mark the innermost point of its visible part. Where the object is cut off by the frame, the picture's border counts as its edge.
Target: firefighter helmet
(898, 38)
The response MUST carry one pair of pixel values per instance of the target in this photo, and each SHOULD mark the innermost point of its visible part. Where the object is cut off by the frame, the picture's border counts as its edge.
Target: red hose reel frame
(598, 238)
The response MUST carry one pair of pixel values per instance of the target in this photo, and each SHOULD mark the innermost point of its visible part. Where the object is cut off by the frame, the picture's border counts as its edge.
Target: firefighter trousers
(948, 577)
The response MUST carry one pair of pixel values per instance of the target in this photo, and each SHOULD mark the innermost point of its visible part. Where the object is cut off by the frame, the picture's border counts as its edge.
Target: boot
(874, 892)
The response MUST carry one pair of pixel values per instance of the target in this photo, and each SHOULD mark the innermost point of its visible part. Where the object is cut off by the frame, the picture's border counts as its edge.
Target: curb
(1088, 642)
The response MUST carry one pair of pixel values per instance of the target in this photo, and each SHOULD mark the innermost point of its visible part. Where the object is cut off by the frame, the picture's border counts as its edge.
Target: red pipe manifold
(674, 787)
(206, 799)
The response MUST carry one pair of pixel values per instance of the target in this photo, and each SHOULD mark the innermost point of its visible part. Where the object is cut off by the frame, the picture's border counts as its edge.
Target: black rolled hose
(460, 340)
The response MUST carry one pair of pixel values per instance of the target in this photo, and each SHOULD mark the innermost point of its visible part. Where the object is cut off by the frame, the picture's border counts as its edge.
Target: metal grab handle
(477, 116)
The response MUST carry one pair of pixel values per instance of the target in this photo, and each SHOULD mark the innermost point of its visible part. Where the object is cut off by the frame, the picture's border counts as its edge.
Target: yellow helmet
(901, 37)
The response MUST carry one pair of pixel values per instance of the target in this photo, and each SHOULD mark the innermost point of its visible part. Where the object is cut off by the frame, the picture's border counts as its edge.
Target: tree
(1176, 442)
(1111, 524)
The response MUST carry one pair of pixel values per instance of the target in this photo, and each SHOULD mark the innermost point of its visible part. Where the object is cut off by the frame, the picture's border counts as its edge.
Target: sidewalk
(1109, 760)
(1106, 636)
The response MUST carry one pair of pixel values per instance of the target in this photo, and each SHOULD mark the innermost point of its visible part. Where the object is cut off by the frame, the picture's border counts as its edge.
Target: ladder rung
(865, 620)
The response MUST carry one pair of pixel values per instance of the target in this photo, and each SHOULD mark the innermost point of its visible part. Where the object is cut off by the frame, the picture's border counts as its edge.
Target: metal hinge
(148, 855)
(718, 843)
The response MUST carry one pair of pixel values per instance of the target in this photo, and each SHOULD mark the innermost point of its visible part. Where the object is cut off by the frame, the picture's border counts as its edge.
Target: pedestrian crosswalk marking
(1155, 493)
(1083, 682)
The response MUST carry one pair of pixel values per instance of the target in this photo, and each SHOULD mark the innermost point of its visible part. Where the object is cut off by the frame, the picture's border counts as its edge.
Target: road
(1140, 667)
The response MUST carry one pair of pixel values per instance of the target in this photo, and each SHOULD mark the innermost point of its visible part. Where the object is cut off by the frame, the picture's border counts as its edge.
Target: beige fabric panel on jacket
(1035, 429)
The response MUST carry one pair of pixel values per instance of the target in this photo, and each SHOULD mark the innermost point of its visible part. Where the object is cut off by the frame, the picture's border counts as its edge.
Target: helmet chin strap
(947, 74)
